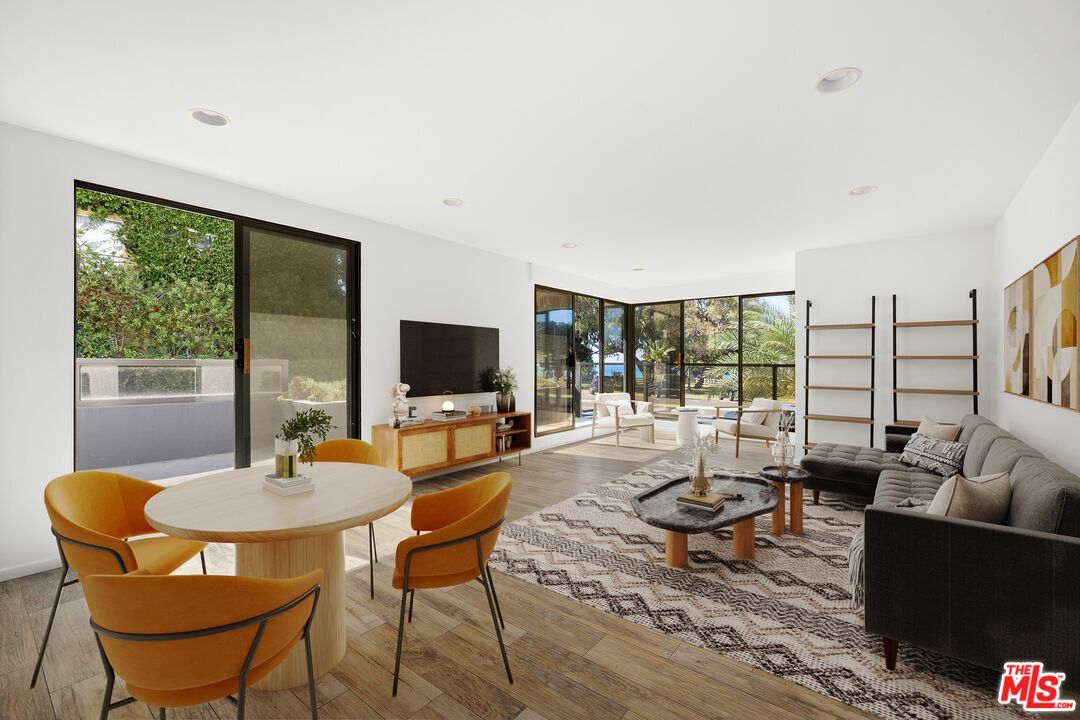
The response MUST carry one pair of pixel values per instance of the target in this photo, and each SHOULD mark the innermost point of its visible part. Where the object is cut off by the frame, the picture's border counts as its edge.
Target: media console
(435, 445)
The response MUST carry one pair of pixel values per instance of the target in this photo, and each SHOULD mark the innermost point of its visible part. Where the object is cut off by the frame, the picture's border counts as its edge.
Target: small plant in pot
(503, 383)
(295, 442)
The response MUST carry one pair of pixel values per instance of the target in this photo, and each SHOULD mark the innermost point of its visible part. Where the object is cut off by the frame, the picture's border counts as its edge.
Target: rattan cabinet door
(473, 441)
(423, 449)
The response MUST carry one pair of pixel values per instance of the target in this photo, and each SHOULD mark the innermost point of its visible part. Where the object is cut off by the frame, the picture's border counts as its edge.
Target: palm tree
(655, 355)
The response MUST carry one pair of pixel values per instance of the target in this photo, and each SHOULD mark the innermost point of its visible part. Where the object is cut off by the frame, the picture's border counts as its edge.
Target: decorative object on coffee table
(794, 477)
(657, 506)
(700, 448)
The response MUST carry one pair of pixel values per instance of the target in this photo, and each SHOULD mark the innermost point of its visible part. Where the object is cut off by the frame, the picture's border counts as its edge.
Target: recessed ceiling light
(453, 202)
(638, 269)
(209, 117)
(863, 190)
(839, 79)
(569, 246)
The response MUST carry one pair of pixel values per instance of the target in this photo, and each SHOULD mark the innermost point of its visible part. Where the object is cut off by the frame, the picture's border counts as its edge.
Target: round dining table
(284, 536)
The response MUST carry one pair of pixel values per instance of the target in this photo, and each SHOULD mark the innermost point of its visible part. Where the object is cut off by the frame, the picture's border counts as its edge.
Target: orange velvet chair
(188, 639)
(94, 514)
(351, 450)
(462, 525)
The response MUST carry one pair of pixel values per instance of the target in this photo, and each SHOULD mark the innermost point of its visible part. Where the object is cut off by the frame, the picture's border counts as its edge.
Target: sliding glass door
(197, 333)
(554, 360)
(300, 335)
(580, 352)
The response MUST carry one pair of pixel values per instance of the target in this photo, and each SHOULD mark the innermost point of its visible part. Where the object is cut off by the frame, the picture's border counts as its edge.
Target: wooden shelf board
(512, 432)
(936, 323)
(809, 446)
(841, 419)
(934, 391)
(838, 357)
(935, 357)
(838, 387)
(842, 326)
(907, 423)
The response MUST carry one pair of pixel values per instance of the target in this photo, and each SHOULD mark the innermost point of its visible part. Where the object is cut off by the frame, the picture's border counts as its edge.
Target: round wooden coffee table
(279, 537)
(657, 507)
(794, 478)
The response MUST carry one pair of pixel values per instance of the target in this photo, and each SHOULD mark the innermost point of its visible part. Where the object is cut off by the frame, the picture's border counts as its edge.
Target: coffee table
(657, 507)
(794, 478)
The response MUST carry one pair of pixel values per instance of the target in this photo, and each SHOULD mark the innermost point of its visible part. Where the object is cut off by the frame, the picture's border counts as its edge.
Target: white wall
(1043, 216)
(931, 277)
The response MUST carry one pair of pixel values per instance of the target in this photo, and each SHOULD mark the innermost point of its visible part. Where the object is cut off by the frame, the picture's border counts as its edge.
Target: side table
(794, 478)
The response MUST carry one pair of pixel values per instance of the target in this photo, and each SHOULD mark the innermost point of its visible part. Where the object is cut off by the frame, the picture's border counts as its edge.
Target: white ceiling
(685, 137)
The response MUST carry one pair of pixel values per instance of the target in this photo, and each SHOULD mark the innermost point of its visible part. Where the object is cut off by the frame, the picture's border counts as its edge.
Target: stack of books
(443, 415)
(713, 502)
(288, 486)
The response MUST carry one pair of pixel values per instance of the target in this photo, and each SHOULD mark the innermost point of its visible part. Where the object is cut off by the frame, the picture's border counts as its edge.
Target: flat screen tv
(438, 358)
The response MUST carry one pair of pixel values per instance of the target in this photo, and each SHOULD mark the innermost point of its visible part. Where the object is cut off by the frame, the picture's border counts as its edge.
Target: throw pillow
(625, 407)
(941, 431)
(938, 456)
(984, 498)
(753, 418)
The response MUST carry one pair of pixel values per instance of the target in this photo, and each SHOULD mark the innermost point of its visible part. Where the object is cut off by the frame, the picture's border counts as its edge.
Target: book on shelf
(711, 501)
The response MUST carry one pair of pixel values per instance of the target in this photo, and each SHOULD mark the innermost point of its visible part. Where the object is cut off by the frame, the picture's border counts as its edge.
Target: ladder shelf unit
(870, 357)
(973, 358)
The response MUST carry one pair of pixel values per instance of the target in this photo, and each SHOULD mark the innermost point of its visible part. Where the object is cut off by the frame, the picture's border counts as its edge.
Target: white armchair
(617, 410)
(760, 421)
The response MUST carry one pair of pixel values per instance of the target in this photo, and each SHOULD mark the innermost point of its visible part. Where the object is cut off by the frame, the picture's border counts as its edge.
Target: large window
(658, 356)
(580, 352)
(711, 359)
(198, 333)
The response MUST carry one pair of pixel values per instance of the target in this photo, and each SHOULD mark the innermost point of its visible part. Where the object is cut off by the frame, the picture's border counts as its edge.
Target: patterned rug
(788, 611)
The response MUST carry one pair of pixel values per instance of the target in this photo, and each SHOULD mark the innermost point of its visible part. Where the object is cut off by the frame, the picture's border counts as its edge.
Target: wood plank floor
(569, 660)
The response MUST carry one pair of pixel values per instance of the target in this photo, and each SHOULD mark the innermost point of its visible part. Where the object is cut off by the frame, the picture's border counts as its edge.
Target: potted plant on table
(503, 383)
(295, 441)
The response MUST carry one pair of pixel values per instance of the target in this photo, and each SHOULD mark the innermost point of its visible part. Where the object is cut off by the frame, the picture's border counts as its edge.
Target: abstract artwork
(1055, 366)
(1018, 336)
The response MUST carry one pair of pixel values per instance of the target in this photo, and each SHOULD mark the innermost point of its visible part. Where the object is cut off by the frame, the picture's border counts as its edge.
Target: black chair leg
(310, 677)
(52, 616)
(161, 713)
(412, 596)
(374, 548)
(400, 632)
(202, 559)
(371, 559)
(498, 610)
(498, 631)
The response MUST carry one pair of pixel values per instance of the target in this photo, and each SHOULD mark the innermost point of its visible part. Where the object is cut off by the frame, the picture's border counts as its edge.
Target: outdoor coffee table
(657, 507)
(794, 477)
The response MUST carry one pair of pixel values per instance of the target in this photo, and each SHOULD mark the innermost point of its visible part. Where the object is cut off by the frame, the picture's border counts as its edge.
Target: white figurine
(401, 408)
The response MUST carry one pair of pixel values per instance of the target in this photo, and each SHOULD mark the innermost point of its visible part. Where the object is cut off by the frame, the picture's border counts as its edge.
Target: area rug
(788, 611)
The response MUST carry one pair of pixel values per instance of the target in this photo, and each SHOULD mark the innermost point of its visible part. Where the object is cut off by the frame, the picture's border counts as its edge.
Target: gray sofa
(980, 592)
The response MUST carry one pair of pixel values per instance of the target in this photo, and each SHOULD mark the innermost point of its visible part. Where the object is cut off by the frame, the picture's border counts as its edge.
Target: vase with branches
(295, 441)
(700, 449)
